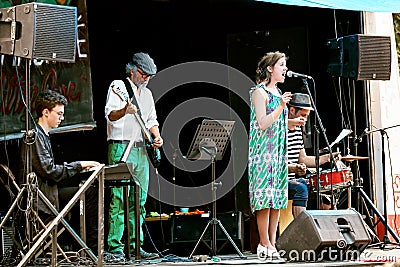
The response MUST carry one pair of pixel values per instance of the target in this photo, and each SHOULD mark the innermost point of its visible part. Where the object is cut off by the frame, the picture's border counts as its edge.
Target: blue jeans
(298, 191)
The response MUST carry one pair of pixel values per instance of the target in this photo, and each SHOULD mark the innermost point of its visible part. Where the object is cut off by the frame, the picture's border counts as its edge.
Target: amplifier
(188, 228)
(39, 31)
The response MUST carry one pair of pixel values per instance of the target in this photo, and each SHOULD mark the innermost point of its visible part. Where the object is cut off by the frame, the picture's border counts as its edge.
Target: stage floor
(389, 256)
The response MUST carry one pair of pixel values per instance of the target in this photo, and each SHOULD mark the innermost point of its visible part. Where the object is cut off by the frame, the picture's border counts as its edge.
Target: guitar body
(154, 155)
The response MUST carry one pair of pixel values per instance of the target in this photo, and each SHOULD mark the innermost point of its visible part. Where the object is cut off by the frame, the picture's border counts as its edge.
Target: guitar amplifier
(39, 31)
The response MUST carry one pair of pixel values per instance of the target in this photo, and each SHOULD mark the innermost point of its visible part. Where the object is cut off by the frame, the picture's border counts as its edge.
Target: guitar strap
(128, 87)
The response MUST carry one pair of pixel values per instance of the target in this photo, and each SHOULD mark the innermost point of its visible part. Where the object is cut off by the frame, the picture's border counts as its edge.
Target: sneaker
(146, 255)
(263, 253)
(116, 257)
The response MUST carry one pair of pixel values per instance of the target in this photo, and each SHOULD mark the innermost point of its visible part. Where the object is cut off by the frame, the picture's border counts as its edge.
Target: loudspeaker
(360, 57)
(316, 235)
(188, 228)
(39, 31)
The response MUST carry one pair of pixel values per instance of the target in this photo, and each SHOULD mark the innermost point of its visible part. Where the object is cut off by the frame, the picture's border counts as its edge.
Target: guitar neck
(146, 132)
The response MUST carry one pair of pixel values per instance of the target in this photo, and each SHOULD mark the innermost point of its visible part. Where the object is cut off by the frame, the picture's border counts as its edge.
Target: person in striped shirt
(298, 160)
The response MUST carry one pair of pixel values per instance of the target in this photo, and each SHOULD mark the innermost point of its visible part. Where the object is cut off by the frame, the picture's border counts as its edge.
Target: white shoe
(264, 253)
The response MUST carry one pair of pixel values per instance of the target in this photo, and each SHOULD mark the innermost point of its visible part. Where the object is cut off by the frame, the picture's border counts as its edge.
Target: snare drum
(338, 179)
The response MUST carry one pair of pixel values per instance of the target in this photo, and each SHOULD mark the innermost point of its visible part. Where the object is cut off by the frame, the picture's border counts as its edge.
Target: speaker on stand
(43, 32)
(363, 57)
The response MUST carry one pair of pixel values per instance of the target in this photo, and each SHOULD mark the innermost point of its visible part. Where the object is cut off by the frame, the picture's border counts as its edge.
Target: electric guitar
(152, 152)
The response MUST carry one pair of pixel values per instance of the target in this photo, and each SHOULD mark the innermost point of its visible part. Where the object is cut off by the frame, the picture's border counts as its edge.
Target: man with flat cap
(298, 160)
(123, 127)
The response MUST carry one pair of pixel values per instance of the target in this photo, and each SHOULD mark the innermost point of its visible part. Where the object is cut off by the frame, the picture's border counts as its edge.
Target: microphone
(297, 75)
(359, 139)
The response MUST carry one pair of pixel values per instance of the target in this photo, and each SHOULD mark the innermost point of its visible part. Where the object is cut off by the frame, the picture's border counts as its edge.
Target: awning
(391, 6)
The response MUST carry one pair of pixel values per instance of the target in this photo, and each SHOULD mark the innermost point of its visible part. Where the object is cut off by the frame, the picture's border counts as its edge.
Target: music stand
(212, 137)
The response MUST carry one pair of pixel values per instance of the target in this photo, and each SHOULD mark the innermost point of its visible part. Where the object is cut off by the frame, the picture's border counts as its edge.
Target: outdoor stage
(387, 256)
(370, 257)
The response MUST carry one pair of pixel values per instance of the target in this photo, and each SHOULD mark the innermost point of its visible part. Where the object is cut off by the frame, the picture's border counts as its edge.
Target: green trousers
(140, 167)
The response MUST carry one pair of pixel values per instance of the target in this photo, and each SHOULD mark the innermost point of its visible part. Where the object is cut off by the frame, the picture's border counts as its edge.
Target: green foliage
(396, 23)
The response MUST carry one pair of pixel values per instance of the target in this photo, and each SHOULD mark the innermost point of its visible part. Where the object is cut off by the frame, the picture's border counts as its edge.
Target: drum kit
(337, 179)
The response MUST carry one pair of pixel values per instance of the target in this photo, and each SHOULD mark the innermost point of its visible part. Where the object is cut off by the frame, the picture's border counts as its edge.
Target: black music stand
(209, 143)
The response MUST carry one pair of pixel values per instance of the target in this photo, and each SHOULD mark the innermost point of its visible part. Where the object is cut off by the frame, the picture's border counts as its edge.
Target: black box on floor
(188, 229)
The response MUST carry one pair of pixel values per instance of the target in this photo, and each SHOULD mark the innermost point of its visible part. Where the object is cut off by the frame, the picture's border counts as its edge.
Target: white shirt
(127, 127)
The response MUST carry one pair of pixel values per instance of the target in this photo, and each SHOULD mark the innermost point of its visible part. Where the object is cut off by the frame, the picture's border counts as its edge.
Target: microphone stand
(174, 155)
(386, 239)
(316, 147)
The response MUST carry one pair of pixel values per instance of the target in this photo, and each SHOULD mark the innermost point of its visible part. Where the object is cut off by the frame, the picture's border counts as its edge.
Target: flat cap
(145, 63)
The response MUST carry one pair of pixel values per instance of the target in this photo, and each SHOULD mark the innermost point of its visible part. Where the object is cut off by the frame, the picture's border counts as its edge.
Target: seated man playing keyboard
(58, 182)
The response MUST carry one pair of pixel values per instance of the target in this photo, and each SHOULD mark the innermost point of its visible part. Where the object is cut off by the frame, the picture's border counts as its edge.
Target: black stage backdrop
(235, 33)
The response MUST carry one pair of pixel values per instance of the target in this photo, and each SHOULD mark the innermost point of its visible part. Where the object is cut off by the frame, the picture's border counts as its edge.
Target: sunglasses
(144, 75)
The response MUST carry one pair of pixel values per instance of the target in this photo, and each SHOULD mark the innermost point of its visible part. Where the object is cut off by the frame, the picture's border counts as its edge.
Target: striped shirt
(295, 144)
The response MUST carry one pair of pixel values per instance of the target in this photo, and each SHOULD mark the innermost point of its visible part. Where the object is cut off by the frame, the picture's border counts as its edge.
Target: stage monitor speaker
(316, 235)
(39, 31)
(360, 57)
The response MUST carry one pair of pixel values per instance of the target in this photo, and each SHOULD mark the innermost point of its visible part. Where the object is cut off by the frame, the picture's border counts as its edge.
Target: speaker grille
(375, 58)
(360, 57)
(55, 35)
(39, 31)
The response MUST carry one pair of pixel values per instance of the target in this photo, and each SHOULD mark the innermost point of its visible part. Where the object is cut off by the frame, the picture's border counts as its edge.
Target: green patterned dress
(268, 170)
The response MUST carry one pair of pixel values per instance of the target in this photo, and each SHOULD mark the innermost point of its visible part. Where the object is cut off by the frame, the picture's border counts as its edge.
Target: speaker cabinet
(360, 57)
(317, 235)
(188, 228)
(39, 31)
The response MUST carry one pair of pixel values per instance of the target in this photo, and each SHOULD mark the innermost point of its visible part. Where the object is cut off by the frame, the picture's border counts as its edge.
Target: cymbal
(351, 158)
